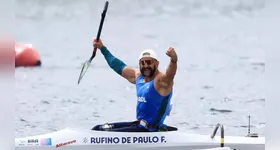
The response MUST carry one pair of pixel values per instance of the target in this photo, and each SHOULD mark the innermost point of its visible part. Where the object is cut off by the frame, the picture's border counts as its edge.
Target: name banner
(127, 140)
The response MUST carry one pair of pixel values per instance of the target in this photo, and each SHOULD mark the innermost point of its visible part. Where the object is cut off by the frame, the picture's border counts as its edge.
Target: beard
(152, 71)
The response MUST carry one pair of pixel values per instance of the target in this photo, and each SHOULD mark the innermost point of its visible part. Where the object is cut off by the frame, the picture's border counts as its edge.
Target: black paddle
(87, 63)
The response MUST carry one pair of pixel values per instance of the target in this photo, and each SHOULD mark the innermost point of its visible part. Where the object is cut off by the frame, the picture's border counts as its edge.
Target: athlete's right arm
(119, 66)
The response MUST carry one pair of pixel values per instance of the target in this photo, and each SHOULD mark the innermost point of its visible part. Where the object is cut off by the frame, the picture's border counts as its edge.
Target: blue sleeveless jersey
(151, 107)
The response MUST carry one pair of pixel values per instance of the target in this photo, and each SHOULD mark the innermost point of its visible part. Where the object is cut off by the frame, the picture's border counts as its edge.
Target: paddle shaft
(87, 63)
(103, 15)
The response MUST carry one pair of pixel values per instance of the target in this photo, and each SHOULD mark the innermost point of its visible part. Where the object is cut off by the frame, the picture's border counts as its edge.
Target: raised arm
(167, 77)
(116, 64)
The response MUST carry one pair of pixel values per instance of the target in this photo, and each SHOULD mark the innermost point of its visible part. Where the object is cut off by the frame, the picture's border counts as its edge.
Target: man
(154, 90)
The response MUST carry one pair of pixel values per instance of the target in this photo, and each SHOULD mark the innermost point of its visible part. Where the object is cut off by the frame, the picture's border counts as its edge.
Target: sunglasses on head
(148, 62)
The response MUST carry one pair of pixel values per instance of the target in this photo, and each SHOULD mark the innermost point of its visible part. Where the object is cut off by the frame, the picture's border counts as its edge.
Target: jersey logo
(142, 99)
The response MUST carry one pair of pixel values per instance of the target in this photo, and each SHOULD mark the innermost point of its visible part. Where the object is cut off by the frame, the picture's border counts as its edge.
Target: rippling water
(220, 77)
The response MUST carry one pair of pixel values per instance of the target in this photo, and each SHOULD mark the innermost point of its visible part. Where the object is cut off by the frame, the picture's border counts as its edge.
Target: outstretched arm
(119, 66)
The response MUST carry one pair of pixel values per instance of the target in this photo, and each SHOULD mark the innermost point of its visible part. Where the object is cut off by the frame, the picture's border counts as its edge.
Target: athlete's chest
(143, 88)
(144, 93)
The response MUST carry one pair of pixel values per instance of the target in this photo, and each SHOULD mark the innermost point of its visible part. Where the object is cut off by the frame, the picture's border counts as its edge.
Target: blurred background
(220, 77)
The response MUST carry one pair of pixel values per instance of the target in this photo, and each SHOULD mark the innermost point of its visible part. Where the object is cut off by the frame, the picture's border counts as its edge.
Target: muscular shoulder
(130, 74)
(163, 81)
(161, 85)
(137, 73)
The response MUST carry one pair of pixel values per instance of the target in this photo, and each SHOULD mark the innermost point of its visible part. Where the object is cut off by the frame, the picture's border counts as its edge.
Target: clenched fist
(172, 54)
(97, 43)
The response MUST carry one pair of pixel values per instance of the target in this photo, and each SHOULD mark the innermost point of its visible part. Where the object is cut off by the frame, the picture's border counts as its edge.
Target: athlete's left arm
(167, 77)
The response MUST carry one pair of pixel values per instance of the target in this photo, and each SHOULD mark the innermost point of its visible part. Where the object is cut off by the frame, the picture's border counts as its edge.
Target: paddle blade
(84, 70)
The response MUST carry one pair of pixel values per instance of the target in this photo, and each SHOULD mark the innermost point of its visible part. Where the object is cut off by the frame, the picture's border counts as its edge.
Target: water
(220, 77)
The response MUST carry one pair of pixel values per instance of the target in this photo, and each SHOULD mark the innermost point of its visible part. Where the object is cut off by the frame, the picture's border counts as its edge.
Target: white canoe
(80, 139)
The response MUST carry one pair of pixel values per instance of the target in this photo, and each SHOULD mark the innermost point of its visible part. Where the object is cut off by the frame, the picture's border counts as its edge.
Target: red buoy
(26, 56)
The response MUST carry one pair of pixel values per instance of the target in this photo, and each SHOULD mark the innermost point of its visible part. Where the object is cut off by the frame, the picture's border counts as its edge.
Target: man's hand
(172, 54)
(97, 44)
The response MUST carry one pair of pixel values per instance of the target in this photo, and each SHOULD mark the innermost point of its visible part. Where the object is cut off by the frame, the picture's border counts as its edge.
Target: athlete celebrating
(154, 90)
